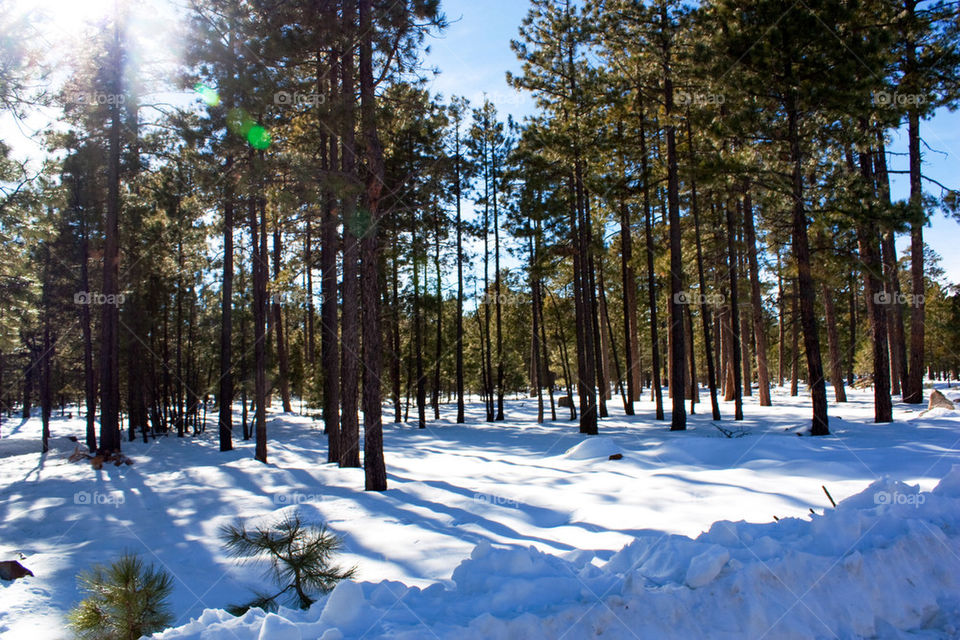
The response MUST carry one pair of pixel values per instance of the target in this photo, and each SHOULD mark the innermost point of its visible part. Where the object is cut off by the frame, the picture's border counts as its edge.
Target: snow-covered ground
(512, 527)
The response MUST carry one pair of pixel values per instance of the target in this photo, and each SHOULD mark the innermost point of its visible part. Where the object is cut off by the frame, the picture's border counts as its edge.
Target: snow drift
(885, 561)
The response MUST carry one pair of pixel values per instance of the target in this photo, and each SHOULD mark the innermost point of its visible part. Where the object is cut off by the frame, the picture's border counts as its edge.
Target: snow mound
(592, 447)
(885, 562)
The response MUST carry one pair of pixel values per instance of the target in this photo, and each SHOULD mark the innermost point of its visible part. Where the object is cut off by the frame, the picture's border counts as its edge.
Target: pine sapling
(125, 601)
(298, 558)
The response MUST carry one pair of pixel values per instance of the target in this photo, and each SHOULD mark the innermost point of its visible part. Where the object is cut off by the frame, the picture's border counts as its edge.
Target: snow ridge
(884, 562)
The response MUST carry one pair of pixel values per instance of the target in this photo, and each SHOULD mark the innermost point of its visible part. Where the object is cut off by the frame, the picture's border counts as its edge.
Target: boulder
(564, 401)
(937, 399)
(11, 570)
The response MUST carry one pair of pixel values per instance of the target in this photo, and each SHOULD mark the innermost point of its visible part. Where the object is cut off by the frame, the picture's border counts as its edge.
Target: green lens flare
(258, 137)
(239, 122)
(209, 95)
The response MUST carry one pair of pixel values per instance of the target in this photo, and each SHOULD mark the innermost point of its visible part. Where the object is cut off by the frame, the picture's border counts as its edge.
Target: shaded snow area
(520, 530)
(884, 561)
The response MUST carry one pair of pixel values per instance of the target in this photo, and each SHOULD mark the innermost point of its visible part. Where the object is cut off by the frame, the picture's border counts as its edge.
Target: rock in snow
(884, 563)
(937, 399)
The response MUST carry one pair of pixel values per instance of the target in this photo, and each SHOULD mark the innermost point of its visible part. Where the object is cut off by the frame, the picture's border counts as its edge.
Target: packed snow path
(514, 485)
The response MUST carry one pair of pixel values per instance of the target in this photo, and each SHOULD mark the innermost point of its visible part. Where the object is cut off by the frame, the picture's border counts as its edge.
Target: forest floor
(512, 485)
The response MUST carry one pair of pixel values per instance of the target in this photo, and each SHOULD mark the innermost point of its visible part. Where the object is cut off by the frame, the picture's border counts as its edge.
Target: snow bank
(592, 447)
(886, 560)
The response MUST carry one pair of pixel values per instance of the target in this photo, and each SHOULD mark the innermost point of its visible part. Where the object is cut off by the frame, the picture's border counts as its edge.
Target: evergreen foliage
(125, 601)
(298, 558)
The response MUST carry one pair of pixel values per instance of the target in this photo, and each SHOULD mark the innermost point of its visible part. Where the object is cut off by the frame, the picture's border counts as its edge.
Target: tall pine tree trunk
(375, 473)
(225, 417)
(801, 252)
(110, 315)
(657, 387)
(352, 228)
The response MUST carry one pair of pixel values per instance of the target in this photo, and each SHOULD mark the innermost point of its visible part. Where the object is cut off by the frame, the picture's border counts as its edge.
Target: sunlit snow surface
(522, 530)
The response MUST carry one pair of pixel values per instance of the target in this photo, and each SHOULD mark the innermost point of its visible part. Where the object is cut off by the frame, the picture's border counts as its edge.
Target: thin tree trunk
(225, 416)
(833, 344)
(329, 317)
(283, 360)
(435, 400)
(734, 315)
(258, 232)
(701, 280)
(759, 328)
(897, 341)
(651, 276)
(457, 190)
(873, 290)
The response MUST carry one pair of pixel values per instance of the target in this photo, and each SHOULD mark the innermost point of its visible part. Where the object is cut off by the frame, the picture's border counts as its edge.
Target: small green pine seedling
(124, 601)
(298, 558)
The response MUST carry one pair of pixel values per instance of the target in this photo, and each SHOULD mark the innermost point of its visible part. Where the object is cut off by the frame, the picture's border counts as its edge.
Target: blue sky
(474, 54)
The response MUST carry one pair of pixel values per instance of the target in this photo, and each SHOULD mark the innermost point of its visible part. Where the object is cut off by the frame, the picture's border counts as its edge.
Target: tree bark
(225, 417)
(375, 473)
(734, 315)
(329, 317)
(801, 251)
(759, 328)
(352, 228)
(833, 344)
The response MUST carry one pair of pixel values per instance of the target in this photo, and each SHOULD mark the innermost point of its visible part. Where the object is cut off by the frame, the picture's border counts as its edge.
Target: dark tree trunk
(913, 394)
(611, 350)
(109, 324)
(852, 350)
(567, 370)
(876, 304)
(352, 228)
(897, 341)
(536, 370)
(833, 345)
(225, 418)
(678, 419)
(795, 341)
(395, 361)
(375, 473)
(734, 315)
(547, 376)
(875, 297)
(457, 188)
(629, 283)
(781, 322)
(603, 386)
(329, 318)
(497, 283)
(283, 360)
(651, 276)
(435, 398)
(801, 252)
(701, 280)
(89, 375)
(586, 354)
(258, 233)
(421, 392)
